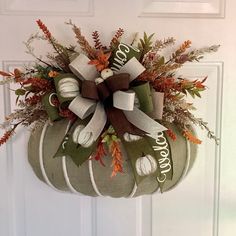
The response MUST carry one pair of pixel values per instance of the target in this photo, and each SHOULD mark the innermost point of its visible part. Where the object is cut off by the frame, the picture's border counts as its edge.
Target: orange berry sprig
(116, 37)
(44, 28)
(100, 152)
(7, 135)
(189, 136)
(96, 39)
(184, 46)
(117, 161)
(171, 134)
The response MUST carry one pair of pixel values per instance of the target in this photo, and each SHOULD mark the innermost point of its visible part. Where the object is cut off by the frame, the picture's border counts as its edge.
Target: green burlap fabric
(118, 186)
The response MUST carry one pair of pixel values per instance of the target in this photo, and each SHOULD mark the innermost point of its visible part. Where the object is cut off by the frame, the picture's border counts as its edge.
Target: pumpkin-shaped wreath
(108, 120)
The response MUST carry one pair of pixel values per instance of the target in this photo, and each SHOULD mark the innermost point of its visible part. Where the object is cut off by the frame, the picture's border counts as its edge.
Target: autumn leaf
(101, 62)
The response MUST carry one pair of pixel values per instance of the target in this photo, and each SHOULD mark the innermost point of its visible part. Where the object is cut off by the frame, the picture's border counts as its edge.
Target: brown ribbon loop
(89, 90)
(120, 123)
(118, 82)
(103, 91)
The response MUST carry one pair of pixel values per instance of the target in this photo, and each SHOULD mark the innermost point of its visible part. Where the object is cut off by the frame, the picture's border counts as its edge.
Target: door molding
(47, 8)
(177, 8)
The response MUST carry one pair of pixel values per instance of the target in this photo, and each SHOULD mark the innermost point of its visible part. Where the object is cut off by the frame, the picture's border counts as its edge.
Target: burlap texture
(119, 186)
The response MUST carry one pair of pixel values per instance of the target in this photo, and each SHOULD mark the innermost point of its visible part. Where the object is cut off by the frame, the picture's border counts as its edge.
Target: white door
(204, 203)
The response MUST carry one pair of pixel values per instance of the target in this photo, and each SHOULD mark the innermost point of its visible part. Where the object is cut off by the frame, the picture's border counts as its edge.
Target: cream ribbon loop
(82, 107)
(81, 68)
(124, 100)
(133, 67)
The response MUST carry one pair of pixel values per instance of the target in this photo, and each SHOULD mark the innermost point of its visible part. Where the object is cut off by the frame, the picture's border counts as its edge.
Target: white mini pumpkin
(146, 165)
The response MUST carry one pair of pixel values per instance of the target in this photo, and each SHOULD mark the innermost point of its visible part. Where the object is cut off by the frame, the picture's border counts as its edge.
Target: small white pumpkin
(146, 165)
(99, 80)
(131, 137)
(84, 139)
(106, 73)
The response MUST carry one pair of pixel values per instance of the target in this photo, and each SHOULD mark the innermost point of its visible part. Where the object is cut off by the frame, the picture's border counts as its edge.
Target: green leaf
(191, 93)
(197, 94)
(20, 92)
(114, 138)
(146, 43)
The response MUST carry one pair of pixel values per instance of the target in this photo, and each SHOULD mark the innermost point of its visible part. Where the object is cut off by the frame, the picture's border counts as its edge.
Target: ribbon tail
(137, 150)
(94, 128)
(144, 122)
(120, 123)
(163, 156)
(157, 149)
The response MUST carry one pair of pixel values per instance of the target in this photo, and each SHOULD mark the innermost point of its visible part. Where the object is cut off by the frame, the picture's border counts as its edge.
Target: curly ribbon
(82, 107)
(50, 108)
(87, 135)
(67, 87)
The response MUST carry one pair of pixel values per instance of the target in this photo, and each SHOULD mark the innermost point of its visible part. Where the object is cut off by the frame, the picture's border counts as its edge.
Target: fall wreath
(108, 120)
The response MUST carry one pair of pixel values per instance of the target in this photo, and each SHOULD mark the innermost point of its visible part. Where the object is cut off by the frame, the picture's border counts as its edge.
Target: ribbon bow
(111, 98)
(95, 100)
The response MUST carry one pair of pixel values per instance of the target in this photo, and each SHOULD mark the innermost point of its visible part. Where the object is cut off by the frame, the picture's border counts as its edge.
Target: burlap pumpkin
(91, 178)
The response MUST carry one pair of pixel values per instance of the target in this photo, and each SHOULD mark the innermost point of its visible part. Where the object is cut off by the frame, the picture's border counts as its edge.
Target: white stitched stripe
(41, 157)
(92, 178)
(66, 176)
(133, 191)
(67, 179)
